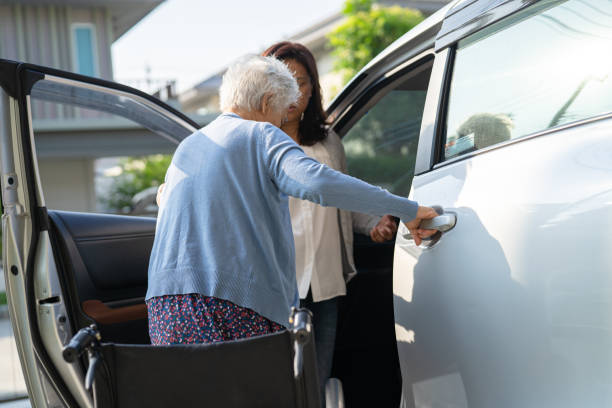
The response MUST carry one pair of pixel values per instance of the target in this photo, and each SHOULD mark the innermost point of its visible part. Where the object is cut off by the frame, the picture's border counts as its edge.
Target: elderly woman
(223, 263)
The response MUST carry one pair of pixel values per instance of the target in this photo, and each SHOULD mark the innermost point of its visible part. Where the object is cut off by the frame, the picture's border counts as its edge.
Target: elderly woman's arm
(300, 176)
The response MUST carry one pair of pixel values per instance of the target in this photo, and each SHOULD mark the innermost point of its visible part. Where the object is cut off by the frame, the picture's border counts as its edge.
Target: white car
(499, 112)
(513, 100)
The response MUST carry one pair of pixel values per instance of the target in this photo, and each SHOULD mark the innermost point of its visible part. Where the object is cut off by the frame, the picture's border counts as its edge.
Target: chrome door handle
(440, 223)
(443, 222)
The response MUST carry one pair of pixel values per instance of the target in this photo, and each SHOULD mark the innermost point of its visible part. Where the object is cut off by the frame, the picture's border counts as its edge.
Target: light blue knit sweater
(224, 229)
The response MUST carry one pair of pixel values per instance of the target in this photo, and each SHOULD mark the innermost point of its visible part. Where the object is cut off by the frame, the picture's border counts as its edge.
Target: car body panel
(510, 307)
(467, 17)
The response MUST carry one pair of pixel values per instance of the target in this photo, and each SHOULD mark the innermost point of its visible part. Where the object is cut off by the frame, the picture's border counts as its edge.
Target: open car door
(66, 270)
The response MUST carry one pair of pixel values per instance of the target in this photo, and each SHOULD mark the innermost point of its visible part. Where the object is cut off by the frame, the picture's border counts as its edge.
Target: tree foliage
(137, 174)
(368, 29)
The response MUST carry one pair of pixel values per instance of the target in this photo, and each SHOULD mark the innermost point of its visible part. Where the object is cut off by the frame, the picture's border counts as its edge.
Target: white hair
(250, 78)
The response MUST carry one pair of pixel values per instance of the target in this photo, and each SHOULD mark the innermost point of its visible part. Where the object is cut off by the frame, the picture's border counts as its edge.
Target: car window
(100, 150)
(381, 146)
(547, 66)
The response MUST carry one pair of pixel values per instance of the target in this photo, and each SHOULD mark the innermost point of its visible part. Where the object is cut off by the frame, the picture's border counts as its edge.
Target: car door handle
(443, 222)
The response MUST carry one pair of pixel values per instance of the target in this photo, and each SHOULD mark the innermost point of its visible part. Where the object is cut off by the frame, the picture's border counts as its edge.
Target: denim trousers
(325, 320)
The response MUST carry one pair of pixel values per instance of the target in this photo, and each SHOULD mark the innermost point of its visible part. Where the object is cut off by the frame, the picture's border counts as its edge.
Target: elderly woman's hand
(423, 213)
(384, 230)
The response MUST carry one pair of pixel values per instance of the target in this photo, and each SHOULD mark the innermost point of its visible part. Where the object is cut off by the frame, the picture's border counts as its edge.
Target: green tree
(137, 174)
(368, 29)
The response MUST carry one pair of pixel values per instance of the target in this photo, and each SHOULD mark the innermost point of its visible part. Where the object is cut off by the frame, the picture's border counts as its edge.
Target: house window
(84, 52)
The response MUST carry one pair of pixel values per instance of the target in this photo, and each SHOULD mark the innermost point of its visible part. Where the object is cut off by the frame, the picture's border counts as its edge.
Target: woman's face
(303, 79)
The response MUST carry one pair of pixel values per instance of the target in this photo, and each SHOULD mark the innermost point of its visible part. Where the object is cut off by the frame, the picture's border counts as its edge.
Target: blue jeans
(325, 320)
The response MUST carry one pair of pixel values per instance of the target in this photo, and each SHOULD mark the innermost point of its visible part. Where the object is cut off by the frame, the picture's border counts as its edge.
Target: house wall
(41, 34)
(68, 184)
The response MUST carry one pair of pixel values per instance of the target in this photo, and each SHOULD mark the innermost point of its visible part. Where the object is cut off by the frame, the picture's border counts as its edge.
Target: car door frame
(376, 91)
(28, 255)
(386, 79)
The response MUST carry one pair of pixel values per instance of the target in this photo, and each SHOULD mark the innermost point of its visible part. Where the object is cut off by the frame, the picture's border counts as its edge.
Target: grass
(2, 298)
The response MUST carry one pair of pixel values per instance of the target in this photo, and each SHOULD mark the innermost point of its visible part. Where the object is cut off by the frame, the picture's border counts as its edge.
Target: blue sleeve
(299, 175)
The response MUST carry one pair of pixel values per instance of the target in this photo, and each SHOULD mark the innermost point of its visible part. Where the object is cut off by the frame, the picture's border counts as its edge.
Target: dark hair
(313, 127)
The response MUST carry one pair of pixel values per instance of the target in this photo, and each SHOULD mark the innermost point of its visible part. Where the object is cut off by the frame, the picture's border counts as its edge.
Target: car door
(65, 269)
(380, 134)
(511, 307)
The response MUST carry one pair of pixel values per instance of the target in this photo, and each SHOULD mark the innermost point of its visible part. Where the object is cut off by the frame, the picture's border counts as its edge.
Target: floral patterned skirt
(194, 318)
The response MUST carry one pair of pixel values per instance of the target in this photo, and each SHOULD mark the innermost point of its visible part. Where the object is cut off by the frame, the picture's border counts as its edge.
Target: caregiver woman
(223, 262)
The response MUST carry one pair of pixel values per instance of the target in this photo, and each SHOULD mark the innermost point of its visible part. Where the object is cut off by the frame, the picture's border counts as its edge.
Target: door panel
(510, 308)
(106, 259)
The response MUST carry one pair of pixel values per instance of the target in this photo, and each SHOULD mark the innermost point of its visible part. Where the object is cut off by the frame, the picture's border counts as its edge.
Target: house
(73, 36)
(203, 98)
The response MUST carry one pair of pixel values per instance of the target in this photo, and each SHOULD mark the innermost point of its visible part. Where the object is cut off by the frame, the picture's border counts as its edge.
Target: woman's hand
(423, 213)
(160, 190)
(384, 230)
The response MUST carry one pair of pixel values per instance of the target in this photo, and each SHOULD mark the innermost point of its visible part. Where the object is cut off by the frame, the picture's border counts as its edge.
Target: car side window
(544, 67)
(381, 146)
(100, 150)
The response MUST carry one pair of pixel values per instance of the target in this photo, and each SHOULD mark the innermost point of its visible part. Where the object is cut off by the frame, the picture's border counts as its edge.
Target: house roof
(126, 14)
(315, 36)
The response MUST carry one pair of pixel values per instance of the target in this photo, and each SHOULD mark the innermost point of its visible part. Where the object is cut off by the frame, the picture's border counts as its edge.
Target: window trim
(545, 132)
(357, 109)
(94, 47)
(433, 117)
(34, 73)
(469, 17)
(148, 102)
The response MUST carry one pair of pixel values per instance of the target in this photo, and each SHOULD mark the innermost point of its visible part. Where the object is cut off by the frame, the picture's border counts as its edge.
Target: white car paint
(514, 303)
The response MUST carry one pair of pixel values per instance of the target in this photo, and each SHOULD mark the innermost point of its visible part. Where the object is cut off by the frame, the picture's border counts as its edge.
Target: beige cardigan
(332, 286)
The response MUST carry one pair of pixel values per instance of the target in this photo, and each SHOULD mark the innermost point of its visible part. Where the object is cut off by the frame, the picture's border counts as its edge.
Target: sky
(188, 40)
